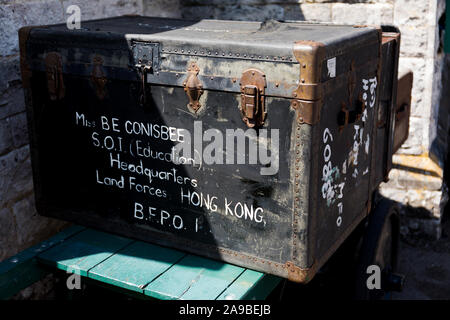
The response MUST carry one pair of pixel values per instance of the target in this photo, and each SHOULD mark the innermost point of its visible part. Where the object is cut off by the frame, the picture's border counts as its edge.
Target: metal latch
(98, 78)
(144, 56)
(250, 101)
(193, 87)
(253, 83)
(55, 83)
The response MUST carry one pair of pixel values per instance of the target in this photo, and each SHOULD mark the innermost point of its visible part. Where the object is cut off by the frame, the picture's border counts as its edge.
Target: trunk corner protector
(300, 275)
(307, 97)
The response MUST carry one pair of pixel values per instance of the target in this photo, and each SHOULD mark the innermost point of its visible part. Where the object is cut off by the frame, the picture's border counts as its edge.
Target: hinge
(253, 83)
(53, 68)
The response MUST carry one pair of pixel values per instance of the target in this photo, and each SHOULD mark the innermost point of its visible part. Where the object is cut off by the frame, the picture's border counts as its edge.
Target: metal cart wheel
(378, 254)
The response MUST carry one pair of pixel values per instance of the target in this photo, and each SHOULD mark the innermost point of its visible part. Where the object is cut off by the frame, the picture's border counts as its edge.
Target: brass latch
(193, 87)
(250, 101)
(253, 83)
(55, 83)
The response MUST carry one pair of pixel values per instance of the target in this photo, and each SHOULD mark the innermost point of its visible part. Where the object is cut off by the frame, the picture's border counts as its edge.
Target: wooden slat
(135, 265)
(83, 251)
(250, 285)
(193, 278)
(22, 270)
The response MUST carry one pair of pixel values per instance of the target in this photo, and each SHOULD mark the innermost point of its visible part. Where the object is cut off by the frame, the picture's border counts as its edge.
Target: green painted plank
(135, 265)
(193, 278)
(251, 285)
(83, 251)
(242, 285)
(22, 270)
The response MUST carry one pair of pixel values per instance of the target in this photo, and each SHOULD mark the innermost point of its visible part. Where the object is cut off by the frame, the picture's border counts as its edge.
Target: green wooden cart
(140, 269)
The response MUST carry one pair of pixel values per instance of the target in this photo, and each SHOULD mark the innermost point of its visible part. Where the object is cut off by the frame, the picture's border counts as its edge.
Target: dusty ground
(426, 265)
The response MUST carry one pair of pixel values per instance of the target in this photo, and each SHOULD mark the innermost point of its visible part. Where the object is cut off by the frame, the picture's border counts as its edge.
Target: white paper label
(331, 64)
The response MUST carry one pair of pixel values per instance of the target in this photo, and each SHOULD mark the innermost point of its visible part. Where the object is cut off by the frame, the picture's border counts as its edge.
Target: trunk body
(284, 154)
